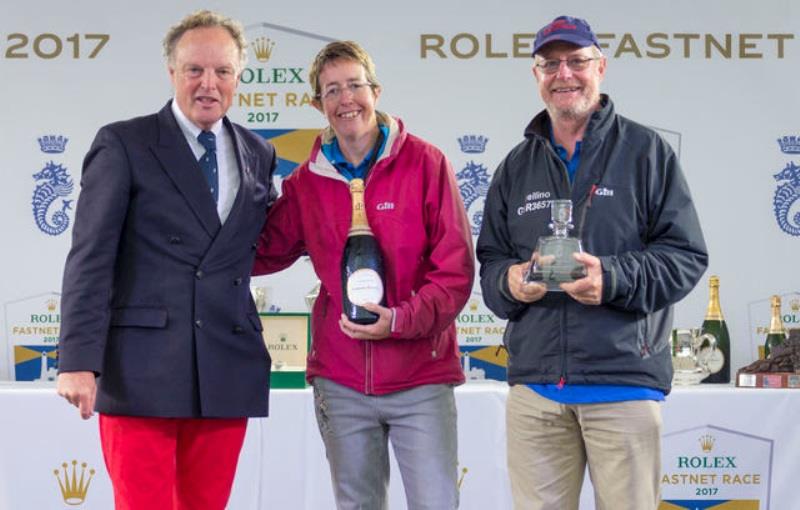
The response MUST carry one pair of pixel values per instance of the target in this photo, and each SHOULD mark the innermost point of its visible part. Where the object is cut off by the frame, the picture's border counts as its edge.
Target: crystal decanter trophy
(552, 263)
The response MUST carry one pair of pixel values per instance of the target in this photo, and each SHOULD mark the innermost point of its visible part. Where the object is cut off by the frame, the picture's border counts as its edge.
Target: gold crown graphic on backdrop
(263, 48)
(51, 305)
(794, 304)
(473, 306)
(73, 489)
(706, 442)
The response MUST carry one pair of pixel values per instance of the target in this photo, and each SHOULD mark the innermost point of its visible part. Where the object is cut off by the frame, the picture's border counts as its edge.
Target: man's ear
(535, 73)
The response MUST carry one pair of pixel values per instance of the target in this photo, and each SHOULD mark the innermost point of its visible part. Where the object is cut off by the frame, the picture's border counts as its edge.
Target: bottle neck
(358, 224)
(714, 312)
(776, 323)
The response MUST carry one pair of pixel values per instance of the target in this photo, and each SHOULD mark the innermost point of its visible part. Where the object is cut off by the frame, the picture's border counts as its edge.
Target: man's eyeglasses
(577, 64)
(335, 91)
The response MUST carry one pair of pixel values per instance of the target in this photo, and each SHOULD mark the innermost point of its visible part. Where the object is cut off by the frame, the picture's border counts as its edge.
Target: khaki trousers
(549, 445)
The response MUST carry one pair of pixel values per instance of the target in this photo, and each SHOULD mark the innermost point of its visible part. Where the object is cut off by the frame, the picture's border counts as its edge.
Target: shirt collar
(560, 149)
(189, 129)
(334, 154)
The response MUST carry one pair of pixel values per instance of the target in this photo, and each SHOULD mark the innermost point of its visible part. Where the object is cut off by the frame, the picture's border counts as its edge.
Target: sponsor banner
(718, 45)
(480, 339)
(32, 328)
(274, 98)
(710, 467)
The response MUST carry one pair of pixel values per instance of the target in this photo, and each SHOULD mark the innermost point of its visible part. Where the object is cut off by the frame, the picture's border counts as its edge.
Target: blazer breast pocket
(139, 317)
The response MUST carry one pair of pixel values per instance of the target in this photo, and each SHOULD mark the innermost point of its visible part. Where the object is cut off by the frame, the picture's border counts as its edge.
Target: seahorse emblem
(786, 201)
(473, 182)
(53, 183)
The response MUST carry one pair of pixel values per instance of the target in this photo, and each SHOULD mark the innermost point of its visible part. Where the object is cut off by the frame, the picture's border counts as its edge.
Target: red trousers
(171, 463)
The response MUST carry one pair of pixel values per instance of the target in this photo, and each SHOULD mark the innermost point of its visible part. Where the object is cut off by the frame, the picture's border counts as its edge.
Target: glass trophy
(552, 263)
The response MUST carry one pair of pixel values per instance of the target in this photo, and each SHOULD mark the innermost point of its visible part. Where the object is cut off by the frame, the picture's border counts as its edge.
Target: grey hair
(205, 19)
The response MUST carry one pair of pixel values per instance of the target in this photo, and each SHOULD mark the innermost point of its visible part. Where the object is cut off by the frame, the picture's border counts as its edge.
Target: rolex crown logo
(473, 306)
(73, 489)
(263, 48)
(794, 305)
(53, 144)
(706, 442)
(790, 144)
(51, 305)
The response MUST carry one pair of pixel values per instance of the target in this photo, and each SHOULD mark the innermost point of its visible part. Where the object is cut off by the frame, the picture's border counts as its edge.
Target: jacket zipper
(563, 327)
(368, 367)
(563, 166)
(368, 383)
(562, 380)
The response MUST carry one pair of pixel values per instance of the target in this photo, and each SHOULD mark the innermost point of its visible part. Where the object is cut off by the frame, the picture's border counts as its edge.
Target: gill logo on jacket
(603, 192)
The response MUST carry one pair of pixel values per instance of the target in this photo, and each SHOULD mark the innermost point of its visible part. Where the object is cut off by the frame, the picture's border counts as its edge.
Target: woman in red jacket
(391, 380)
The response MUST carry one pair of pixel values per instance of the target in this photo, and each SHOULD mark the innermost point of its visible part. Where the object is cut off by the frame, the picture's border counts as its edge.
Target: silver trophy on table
(552, 262)
(694, 356)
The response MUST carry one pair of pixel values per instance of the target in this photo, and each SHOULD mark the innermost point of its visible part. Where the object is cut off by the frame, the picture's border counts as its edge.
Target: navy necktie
(208, 161)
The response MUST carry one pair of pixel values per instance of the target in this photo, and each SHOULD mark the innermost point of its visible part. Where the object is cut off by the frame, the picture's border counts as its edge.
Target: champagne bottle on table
(362, 264)
(776, 334)
(717, 358)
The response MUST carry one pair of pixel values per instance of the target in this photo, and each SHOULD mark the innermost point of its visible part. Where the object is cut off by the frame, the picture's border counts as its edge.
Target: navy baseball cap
(568, 29)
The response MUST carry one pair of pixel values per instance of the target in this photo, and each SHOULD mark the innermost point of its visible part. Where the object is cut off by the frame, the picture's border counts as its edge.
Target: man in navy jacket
(156, 304)
(588, 365)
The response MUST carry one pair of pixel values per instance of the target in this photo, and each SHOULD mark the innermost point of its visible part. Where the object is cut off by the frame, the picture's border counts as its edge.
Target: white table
(283, 464)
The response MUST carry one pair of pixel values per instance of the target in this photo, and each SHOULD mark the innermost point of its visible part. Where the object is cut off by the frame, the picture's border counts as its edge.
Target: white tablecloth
(750, 441)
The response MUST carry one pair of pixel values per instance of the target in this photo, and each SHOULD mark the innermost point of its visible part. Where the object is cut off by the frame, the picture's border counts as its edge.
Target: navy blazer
(156, 296)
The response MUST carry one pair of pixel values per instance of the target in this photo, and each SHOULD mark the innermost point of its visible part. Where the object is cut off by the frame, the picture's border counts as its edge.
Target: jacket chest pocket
(613, 208)
(526, 223)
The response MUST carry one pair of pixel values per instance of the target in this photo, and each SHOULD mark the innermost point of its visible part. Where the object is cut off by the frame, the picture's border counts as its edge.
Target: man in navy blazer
(159, 332)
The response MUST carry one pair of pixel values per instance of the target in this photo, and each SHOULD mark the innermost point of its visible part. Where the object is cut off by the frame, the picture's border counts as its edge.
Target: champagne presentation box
(288, 339)
(768, 380)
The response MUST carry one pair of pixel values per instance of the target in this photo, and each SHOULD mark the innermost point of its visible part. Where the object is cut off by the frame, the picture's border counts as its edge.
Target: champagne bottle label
(713, 358)
(364, 286)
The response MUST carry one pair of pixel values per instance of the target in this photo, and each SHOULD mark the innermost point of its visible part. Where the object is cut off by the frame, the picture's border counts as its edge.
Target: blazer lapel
(244, 162)
(178, 162)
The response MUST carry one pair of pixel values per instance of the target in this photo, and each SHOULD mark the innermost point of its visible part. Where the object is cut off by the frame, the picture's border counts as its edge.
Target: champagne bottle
(719, 363)
(362, 264)
(777, 332)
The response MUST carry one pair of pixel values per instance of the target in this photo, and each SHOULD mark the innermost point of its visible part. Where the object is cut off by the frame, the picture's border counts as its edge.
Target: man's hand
(79, 389)
(378, 331)
(526, 292)
(589, 289)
